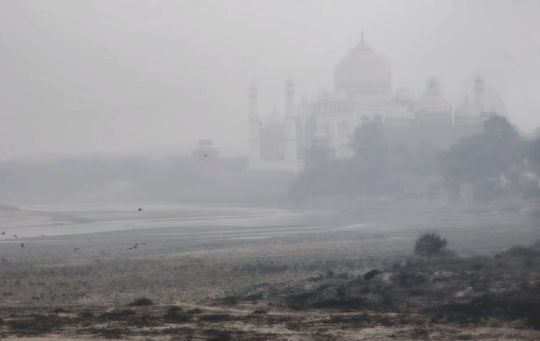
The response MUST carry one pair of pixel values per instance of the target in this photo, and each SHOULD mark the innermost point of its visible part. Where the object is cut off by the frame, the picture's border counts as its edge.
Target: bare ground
(231, 275)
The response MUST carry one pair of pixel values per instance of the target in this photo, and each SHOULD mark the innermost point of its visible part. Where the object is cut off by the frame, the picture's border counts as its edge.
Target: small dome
(433, 102)
(487, 100)
(404, 95)
(466, 109)
(362, 67)
(324, 96)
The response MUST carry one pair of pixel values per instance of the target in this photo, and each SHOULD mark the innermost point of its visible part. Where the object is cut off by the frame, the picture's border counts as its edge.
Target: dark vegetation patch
(175, 314)
(108, 332)
(141, 301)
(218, 335)
(36, 325)
(144, 321)
(370, 274)
(363, 320)
(85, 314)
(259, 311)
(487, 291)
(216, 317)
(410, 278)
(229, 300)
(254, 296)
(341, 303)
(523, 252)
(509, 307)
(429, 245)
(505, 287)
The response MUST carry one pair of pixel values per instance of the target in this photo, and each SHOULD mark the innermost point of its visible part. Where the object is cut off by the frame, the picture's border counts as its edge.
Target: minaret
(289, 98)
(254, 129)
(479, 94)
(290, 123)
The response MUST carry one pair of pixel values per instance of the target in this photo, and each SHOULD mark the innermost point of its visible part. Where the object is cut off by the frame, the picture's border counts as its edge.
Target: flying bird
(139, 209)
(16, 237)
(4, 260)
(133, 247)
(76, 249)
(3, 233)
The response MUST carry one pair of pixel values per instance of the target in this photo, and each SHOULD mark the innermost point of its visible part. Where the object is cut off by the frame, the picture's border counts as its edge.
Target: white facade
(362, 93)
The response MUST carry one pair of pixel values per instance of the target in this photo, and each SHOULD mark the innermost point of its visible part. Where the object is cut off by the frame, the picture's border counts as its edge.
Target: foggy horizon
(269, 170)
(154, 77)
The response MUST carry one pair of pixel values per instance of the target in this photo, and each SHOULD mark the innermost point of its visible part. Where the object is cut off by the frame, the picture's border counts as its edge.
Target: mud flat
(222, 273)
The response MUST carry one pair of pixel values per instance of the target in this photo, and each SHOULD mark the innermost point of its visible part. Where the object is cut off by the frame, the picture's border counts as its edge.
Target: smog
(269, 170)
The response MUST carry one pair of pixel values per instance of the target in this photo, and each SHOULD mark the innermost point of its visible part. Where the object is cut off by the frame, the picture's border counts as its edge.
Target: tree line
(497, 161)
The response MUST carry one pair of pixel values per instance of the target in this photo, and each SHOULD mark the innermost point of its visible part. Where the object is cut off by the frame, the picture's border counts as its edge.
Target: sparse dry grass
(246, 289)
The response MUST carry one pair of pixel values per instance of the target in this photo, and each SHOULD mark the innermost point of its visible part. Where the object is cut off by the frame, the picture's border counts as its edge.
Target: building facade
(362, 93)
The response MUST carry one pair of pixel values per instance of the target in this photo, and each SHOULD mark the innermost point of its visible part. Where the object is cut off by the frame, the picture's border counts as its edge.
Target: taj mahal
(363, 93)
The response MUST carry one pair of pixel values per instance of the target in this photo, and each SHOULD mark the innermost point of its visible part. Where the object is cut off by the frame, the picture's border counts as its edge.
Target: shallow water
(60, 220)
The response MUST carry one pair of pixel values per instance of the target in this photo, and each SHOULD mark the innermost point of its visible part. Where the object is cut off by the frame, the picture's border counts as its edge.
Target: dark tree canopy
(365, 173)
(429, 245)
(319, 155)
(533, 154)
(481, 167)
(370, 145)
(483, 158)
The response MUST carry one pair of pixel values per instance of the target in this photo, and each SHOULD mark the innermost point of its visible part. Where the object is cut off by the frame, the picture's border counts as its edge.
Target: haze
(154, 77)
(269, 170)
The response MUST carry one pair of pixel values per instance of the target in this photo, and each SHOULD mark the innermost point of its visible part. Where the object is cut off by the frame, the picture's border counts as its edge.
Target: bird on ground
(16, 237)
(76, 249)
(139, 209)
(133, 247)
(22, 244)
(3, 233)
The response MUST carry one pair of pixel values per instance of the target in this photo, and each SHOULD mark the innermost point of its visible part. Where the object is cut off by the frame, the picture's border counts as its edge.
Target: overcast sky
(148, 77)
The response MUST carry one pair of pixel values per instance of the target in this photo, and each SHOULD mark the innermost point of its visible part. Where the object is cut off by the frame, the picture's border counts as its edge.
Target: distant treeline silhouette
(497, 161)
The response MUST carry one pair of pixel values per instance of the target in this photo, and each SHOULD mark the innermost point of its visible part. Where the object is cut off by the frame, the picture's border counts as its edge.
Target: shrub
(429, 245)
(86, 314)
(175, 314)
(141, 302)
(524, 252)
(259, 311)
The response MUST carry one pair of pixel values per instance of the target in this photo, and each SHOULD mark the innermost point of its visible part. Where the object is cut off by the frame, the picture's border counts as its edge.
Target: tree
(482, 159)
(370, 145)
(429, 245)
(319, 155)
(533, 154)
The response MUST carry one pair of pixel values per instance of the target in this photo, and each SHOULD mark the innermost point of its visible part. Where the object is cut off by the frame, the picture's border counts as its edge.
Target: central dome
(362, 69)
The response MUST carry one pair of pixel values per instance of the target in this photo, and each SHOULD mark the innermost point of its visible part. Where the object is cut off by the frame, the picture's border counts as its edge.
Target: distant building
(362, 93)
(205, 150)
